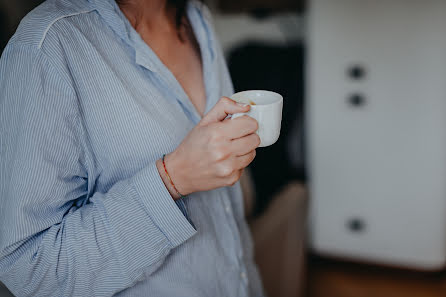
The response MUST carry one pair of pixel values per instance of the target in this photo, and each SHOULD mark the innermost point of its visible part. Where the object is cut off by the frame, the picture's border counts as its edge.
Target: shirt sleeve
(58, 236)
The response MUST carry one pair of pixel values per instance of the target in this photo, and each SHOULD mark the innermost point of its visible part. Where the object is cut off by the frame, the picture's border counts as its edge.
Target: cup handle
(240, 114)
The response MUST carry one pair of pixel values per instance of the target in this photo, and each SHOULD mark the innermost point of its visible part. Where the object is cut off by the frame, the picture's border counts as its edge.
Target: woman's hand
(214, 153)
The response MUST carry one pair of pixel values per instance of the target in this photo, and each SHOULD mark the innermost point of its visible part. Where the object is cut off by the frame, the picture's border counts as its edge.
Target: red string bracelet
(168, 176)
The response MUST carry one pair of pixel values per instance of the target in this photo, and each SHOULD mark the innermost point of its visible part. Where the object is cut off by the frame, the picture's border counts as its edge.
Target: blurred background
(351, 201)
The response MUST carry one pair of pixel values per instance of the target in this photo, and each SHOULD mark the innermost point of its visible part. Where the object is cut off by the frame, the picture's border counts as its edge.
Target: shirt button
(243, 276)
(228, 209)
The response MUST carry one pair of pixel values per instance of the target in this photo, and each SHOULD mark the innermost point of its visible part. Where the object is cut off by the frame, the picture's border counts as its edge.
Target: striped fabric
(86, 108)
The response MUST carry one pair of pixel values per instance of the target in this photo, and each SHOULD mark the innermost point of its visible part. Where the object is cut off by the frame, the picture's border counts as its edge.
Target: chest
(133, 110)
(182, 57)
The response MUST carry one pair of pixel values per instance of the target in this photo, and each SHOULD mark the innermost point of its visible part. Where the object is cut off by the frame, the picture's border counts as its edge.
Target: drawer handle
(356, 225)
(357, 100)
(356, 72)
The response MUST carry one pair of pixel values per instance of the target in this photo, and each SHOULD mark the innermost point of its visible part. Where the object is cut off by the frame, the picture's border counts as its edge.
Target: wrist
(174, 166)
(166, 180)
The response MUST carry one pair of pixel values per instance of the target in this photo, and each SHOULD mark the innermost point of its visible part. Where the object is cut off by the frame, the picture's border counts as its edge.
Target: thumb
(224, 107)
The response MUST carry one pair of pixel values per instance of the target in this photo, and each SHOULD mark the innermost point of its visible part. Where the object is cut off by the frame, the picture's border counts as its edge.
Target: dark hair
(180, 6)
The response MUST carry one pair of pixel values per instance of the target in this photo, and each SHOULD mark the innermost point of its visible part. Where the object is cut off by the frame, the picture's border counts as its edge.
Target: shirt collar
(113, 17)
(144, 56)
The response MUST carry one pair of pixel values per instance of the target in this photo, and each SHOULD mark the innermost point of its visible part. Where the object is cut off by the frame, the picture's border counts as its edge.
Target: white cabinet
(376, 119)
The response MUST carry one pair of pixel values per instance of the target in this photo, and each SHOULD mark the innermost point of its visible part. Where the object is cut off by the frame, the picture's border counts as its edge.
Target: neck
(147, 14)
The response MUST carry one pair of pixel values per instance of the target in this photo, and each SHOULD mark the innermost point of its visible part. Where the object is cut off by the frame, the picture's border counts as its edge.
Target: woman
(93, 94)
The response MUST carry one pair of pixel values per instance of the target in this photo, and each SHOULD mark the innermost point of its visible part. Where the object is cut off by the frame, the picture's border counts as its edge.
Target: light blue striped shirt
(86, 109)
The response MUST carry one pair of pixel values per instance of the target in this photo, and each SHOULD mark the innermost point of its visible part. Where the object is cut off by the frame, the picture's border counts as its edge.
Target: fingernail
(242, 104)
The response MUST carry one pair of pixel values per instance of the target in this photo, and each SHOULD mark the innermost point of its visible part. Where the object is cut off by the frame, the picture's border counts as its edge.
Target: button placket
(243, 283)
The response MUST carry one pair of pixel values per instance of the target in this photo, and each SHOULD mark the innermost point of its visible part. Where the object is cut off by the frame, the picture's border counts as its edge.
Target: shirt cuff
(161, 207)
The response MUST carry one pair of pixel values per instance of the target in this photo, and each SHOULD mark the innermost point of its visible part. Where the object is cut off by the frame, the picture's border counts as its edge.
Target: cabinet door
(376, 115)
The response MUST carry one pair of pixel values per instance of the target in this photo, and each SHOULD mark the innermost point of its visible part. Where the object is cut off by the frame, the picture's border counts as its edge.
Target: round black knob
(356, 225)
(356, 72)
(357, 100)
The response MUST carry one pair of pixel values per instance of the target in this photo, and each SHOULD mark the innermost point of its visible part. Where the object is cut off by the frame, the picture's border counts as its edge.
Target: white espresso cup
(266, 108)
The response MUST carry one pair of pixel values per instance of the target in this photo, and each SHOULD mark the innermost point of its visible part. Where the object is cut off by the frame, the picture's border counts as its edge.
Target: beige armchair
(279, 238)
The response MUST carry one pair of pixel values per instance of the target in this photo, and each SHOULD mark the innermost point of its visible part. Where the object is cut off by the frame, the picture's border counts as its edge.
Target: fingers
(229, 172)
(245, 145)
(245, 160)
(222, 109)
(239, 127)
